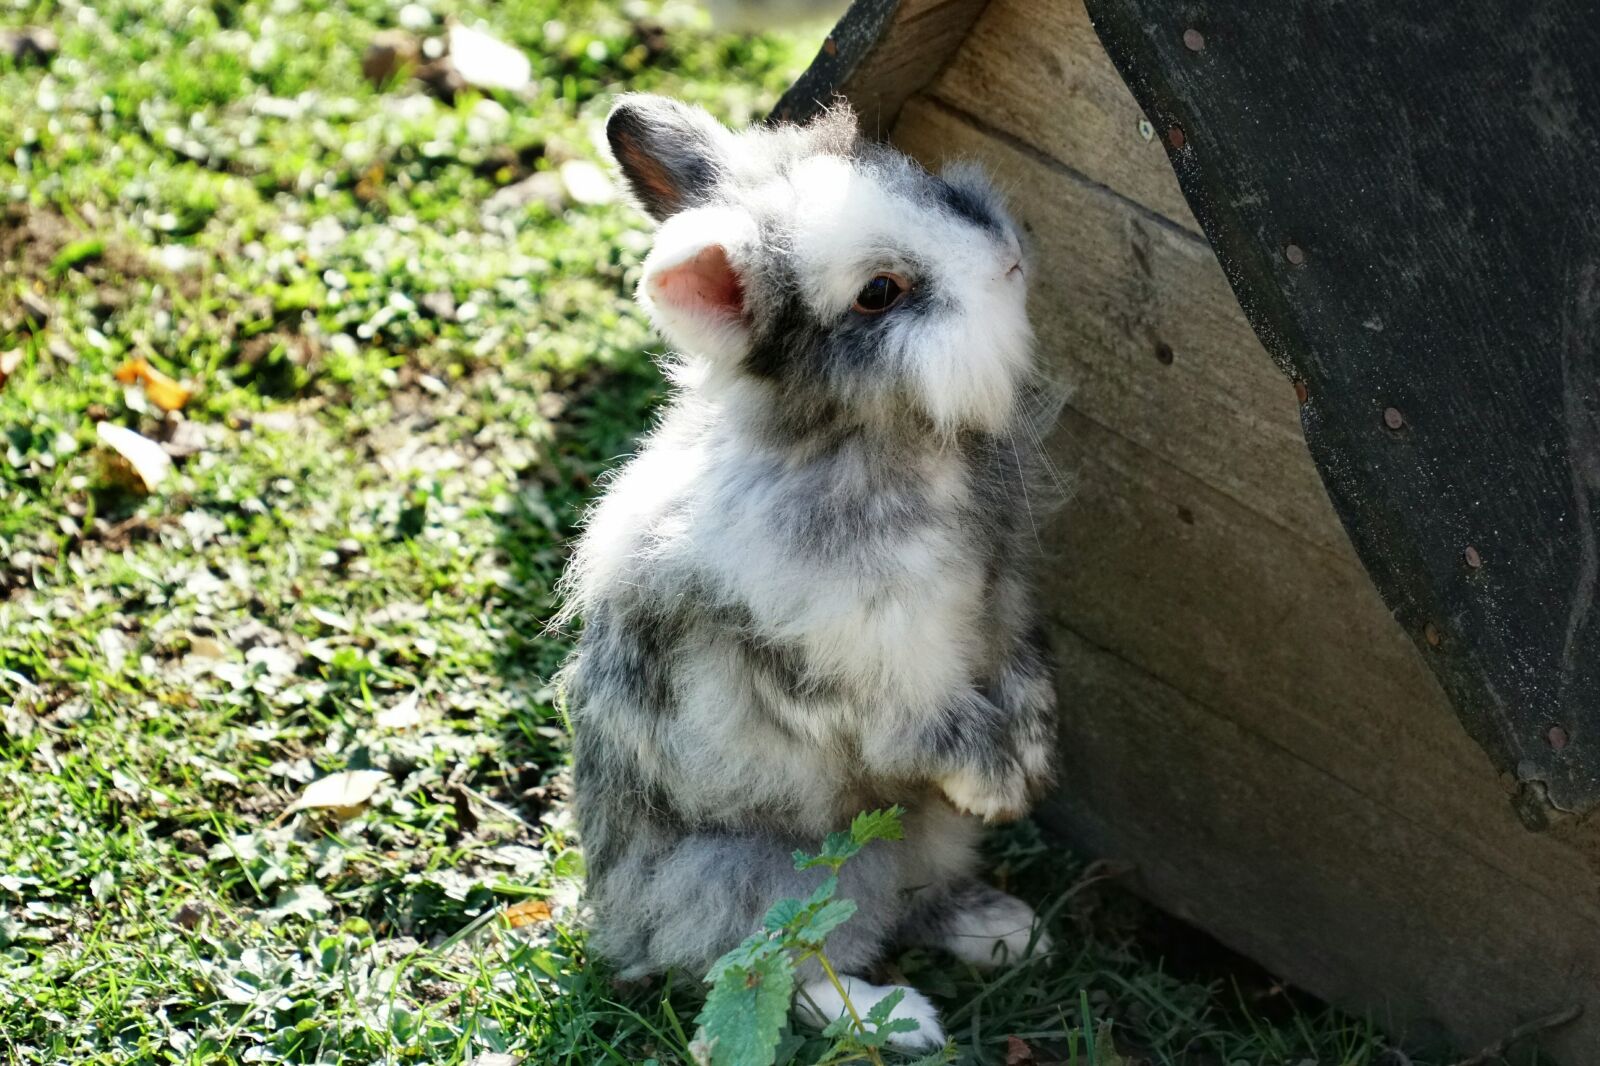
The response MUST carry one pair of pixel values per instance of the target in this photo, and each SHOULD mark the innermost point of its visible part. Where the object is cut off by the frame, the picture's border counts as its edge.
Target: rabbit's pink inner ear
(705, 282)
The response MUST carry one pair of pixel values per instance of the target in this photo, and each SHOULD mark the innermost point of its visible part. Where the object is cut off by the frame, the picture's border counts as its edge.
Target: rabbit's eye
(881, 293)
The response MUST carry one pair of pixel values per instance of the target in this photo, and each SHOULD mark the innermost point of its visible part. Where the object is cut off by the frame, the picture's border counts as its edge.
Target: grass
(405, 390)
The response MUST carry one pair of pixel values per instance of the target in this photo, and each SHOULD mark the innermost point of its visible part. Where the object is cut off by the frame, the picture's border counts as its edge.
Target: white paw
(1002, 800)
(1037, 755)
(817, 1003)
(995, 933)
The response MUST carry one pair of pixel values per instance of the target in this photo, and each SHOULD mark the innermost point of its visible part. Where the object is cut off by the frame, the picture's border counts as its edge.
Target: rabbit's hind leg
(977, 924)
(683, 903)
(817, 1002)
(712, 890)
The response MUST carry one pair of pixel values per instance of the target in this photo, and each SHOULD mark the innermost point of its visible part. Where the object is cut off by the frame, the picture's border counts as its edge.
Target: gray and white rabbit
(807, 595)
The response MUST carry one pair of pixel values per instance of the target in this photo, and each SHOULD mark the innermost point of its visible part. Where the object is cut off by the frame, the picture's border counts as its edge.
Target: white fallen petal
(9, 361)
(347, 790)
(586, 183)
(415, 17)
(274, 662)
(149, 460)
(402, 715)
(486, 62)
(331, 619)
(114, 648)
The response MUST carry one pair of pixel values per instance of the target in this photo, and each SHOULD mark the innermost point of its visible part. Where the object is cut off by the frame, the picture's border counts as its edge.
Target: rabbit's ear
(671, 154)
(693, 285)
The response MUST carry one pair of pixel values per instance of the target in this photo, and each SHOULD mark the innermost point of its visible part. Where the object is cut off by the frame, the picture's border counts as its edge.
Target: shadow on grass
(601, 415)
(596, 419)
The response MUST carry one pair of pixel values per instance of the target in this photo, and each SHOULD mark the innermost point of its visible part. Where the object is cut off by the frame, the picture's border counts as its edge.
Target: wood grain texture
(880, 53)
(1291, 644)
(1036, 72)
(1318, 882)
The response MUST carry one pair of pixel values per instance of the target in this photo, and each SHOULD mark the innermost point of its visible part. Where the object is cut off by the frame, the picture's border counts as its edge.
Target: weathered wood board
(1244, 718)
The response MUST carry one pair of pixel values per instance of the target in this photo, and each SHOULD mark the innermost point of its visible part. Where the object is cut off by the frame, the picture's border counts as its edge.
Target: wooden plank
(1289, 866)
(1290, 642)
(1036, 72)
(880, 53)
(1137, 318)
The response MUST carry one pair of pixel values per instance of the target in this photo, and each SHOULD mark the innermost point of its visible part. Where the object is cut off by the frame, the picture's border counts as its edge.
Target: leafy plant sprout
(751, 986)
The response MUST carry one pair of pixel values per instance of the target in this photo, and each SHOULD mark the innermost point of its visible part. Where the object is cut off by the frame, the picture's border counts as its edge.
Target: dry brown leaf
(1018, 1052)
(370, 187)
(9, 361)
(132, 370)
(167, 394)
(528, 912)
(391, 53)
(207, 647)
(163, 391)
(138, 461)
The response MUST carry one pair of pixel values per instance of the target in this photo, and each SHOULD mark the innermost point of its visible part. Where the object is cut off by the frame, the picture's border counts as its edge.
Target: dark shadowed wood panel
(1403, 196)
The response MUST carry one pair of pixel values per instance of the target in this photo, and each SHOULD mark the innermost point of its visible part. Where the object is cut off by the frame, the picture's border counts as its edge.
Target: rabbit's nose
(1011, 257)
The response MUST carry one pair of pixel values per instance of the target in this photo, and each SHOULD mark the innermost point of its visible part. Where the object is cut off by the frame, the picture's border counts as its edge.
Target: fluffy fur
(807, 595)
(817, 1003)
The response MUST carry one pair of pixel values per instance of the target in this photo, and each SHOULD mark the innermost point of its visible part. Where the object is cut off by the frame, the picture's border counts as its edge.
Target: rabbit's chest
(895, 614)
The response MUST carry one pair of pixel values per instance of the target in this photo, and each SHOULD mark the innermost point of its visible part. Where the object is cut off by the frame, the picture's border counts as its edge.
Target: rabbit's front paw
(1037, 758)
(1000, 796)
(989, 928)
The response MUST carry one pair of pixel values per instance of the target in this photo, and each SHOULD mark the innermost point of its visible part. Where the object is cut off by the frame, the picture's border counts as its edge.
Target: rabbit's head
(809, 263)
